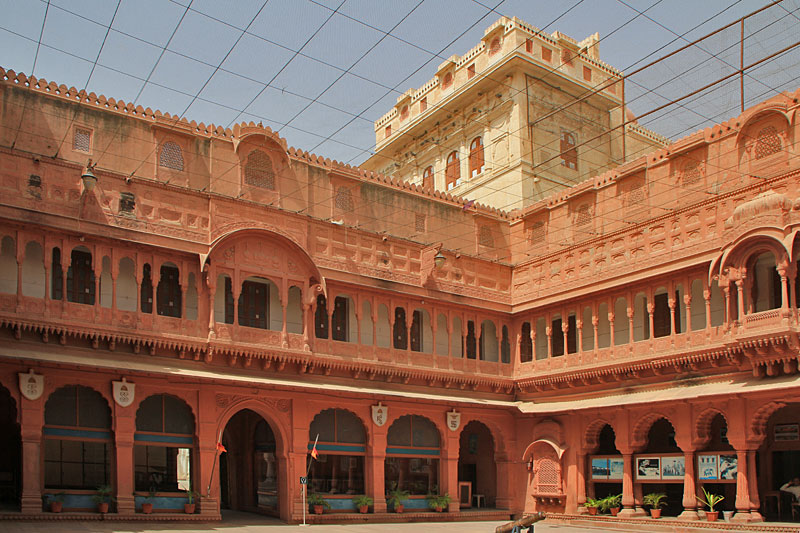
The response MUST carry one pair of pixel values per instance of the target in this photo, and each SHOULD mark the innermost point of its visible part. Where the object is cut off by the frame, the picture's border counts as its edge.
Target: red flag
(314, 453)
(221, 448)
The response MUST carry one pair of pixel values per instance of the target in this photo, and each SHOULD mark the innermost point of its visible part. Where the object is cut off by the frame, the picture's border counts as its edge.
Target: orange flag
(314, 453)
(221, 448)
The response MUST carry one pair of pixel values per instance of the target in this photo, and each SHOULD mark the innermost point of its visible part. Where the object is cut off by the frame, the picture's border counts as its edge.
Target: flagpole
(305, 487)
(214, 464)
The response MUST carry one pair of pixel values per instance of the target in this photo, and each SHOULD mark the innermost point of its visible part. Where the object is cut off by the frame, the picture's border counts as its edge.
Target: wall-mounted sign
(610, 468)
(31, 385)
(123, 392)
(380, 414)
(648, 468)
(728, 466)
(787, 432)
(673, 468)
(707, 466)
(453, 420)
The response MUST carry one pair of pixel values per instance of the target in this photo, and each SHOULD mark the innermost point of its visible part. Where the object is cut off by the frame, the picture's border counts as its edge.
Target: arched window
(475, 157)
(505, 347)
(164, 443)
(344, 325)
(412, 456)
(488, 344)
(452, 173)
(258, 171)
(77, 440)
(80, 278)
(171, 156)
(146, 289)
(765, 291)
(33, 273)
(254, 300)
(471, 341)
(56, 276)
(8, 266)
(321, 318)
(525, 344)
(339, 468)
(223, 300)
(168, 292)
(400, 333)
(569, 151)
(767, 142)
(427, 178)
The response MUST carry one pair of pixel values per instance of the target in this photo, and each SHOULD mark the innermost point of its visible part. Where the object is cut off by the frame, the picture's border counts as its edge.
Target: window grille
(344, 200)
(127, 203)
(767, 143)
(537, 233)
(419, 223)
(82, 140)
(258, 171)
(485, 236)
(171, 156)
(584, 216)
(691, 173)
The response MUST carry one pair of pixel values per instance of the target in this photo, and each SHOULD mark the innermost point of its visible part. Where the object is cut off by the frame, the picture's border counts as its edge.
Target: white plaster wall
(275, 309)
(294, 311)
(717, 305)
(588, 330)
(8, 266)
(219, 300)
(540, 348)
(106, 284)
(126, 285)
(383, 330)
(366, 323)
(489, 348)
(698, 319)
(621, 326)
(603, 326)
(33, 272)
(641, 324)
(191, 297)
(456, 344)
(441, 334)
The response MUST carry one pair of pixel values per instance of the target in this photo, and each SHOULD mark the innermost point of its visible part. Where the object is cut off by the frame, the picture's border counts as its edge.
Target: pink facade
(635, 333)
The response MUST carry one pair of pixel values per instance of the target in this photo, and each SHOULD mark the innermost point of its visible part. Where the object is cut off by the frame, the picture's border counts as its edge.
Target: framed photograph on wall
(615, 468)
(648, 468)
(673, 468)
(787, 432)
(599, 468)
(707, 466)
(727, 466)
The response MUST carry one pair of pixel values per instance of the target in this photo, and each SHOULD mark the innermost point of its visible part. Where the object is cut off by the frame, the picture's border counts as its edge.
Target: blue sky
(320, 72)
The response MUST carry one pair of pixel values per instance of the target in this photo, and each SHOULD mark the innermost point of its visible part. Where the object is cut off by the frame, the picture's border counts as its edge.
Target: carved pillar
(740, 294)
(236, 289)
(687, 301)
(64, 295)
(565, 333)
(742, 488)
(208, 460)
(784, 295)
(47, 293)
(549, 331)
(124, 428)
(689, 488)
(376, 456)
(612, 334)
(651, 307)
(672, 324)
(307, 319)
(595, 322)
(114, 276)
(284, 309)
(726, 305)
(31, 422)
(579, 328)
(707, 302)
(211, 283)
(628, 506)
(19, 281)
(581, 481)
(374, 311)
(358, 320)
(755, 501)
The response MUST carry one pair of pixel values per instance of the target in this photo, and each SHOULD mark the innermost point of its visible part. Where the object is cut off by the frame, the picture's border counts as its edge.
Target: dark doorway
(10, 444)
(249, 468)
(476, 462)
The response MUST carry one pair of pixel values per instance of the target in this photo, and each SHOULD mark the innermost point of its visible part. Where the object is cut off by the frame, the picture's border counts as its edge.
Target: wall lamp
(88, 178)
(439, 259)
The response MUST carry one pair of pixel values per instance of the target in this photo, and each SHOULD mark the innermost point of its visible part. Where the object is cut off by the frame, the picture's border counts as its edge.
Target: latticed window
(82, 140)
(547, 475)
(485, 236)
(344, 200)
(258, 171)
(537, 232)
(767, 143)
(569, 153)
(584, 216)
(419, 223)
(171, 156)
(691, 173)
(636, 195)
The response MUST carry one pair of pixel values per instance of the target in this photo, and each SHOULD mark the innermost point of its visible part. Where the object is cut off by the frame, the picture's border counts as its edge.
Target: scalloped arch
(642, 427)
(355, 414)
(592, 433)
(702, 426)
(755, 241)
(278, 426)
(494, 430)
(758, 425)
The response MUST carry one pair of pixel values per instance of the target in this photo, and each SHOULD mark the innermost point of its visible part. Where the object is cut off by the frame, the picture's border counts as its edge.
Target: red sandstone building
(636, 332)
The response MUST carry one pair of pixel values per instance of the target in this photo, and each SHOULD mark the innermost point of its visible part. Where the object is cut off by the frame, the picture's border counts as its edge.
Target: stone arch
(758, 424)
(500, 451)
(106, 394)
(265, 411)
(765, 114)
(184, 396)
(702, 425)
(749, 245)
(592, 433)
(440, 426)
(360, 418)
(642, 427)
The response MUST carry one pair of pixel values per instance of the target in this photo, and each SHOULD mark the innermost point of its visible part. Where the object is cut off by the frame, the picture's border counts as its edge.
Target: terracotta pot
(712, 516)
(437, 509)
(592, 510)
(363, 509)
(55, 507)
(614, 510)
(188, 508)
(655, 513)
(317, 509)
(398, 508)
(147, 508)
(102, 507)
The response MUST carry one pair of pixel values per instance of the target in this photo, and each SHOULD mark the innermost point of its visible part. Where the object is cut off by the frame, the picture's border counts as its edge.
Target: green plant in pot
(147, 503)
(190, 504)
(362, 503)
(593, 505)
(396, 497)
(57, 502)
(318, 503)
(655, 501)
(710, 500)
(103, 498)
(438, 502)
(611, 504)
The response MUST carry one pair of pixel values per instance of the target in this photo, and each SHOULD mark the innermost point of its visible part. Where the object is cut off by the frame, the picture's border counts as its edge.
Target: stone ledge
(670, 524)
(139, 517)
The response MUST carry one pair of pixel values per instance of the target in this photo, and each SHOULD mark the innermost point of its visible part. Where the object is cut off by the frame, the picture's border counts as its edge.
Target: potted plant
(362, 503)
(438, 502)
(57, 502)
(655, 500)
(396, 498)
(147, 503)
(611, 503)
(318, 503)
(592, 505)
(710, 500)
(102, 498)
(189, 506)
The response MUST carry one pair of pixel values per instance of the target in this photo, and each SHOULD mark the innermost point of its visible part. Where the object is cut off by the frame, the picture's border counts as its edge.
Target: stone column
(672, 324)
(376, 458)
(628, 506)
(651, 307)
(755, 501)
(742, 488)
(208, 461)
(707, 301)
(579, 328)
(448, 471)
(689, 488)
(307, 320)
(581, 482)
(611, 333)
(20, 260)
(740, 298)
(687, 301)
(31, 422)
(124, 428)
(595, 323)
(784, 295)
(549, 331)
(212, 291)
(48, 295)
(630, 325)
(284, 331)
(505, 497)
(565, 333)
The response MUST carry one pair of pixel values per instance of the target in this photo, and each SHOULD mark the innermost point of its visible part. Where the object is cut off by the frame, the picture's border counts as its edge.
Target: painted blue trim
(412, 451)
(339, 447)
(163, 438)
(82, 433)
(161, 502)
(341, 504)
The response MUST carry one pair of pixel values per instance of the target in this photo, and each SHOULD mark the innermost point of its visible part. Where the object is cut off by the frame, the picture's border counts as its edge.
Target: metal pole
(304, 505)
